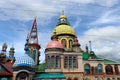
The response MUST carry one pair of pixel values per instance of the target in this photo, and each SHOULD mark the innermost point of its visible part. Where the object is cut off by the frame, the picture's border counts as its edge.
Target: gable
(5, 70)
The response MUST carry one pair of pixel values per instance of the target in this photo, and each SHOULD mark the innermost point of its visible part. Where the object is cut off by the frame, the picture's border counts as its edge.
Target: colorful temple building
(64, 59)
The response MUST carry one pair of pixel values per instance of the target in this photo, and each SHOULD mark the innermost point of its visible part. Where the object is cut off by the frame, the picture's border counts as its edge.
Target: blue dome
(25, 60)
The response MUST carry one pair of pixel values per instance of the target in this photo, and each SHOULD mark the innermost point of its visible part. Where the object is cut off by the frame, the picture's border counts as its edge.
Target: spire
(90, 45)
(33, 37)
(62, 15)
(63, 19)
(11, 53)
(86, 48)
(32, 46)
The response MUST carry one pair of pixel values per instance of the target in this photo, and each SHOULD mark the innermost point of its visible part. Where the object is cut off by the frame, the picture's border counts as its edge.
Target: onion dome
(25, 60)
(54, 44)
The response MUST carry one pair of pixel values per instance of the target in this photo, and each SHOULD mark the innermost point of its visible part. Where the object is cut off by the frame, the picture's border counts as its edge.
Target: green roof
(41, 67)
(49, 76)
(106, 61)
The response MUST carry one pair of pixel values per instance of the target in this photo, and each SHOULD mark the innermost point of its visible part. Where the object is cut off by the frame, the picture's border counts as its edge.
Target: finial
(86, 48)
(90, 45)
(62, 12)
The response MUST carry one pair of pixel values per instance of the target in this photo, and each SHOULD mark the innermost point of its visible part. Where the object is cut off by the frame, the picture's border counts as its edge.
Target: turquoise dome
(25, 60)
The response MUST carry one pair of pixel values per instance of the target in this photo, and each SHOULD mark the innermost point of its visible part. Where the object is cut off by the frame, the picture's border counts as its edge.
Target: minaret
(11, 54)
(86, 47)
(3, 53)
(32, 43)
(90, 46)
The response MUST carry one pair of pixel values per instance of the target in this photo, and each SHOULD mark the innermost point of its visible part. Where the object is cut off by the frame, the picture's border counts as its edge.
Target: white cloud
(77, 23)
(105, 3)
(105, 41)
(43, 9)
(108, 17)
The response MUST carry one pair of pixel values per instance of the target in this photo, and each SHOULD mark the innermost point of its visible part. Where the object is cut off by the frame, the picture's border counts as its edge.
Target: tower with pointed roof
(32, 43)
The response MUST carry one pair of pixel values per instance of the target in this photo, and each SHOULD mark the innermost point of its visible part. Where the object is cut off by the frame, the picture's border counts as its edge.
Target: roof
(85, 56)
(64, 29)
(106, 61)
(8, 70)
(54, 44)
(50, 76)
(24, 60)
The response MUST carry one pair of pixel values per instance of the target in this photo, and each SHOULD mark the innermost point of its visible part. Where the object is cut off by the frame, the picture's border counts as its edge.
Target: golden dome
(63, 29)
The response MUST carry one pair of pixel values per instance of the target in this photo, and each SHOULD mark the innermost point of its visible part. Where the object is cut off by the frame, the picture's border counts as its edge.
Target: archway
(22, 76)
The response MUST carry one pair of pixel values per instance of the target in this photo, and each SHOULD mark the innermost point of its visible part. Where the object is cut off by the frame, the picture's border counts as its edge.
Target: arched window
(64, 42)
(109, 69)
(22, 76)
(116, 69)
(87, 69)
(70, 43)
(100, 69)
(57, 65)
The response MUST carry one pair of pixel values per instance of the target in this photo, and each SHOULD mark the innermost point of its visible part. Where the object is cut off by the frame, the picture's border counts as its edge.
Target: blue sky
(95, 20)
